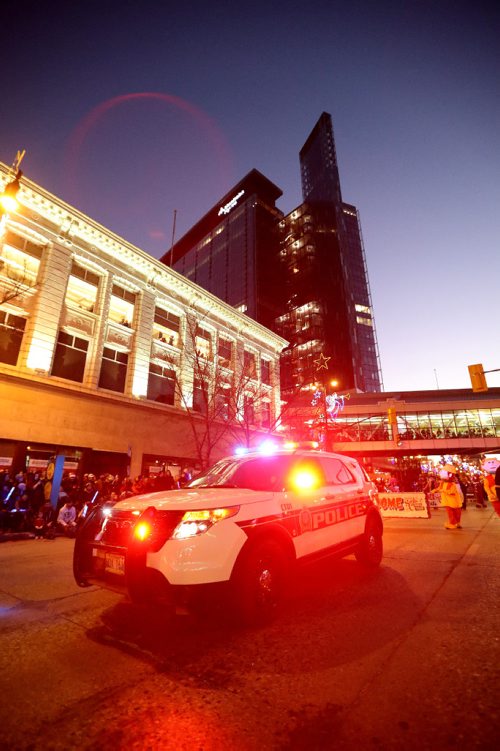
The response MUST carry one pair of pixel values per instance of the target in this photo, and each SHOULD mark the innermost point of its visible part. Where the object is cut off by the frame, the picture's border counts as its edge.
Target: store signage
(230, 204)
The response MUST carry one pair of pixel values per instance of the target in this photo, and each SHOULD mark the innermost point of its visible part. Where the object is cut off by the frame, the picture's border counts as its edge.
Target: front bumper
(106, 554)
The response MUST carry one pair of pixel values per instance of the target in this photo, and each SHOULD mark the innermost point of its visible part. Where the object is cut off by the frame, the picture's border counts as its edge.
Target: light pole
(8, 199)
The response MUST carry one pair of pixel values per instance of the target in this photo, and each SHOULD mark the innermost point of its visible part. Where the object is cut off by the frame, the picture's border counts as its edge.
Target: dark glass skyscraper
(328, 307)
(302, 275)
(233, 250)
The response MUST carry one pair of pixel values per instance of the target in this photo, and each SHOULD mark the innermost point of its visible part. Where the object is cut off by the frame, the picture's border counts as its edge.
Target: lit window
(82, 288)
(121, 308)
(203, 343)
(363, 309)
(166, 327)
(17, 266)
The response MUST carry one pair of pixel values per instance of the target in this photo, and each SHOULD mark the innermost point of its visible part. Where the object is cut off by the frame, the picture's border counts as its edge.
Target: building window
(225, 352)
(161, 384)
(249, 367)
(70, 357)
(82, 288)
(265, 372)
(265, 415)
(113, 370)
(166, 327)
(200, 396)
(223, 397)
(11, 335)
(20, 261)
(364, 321)
(203, 343)
(249, 409)
(121, 308)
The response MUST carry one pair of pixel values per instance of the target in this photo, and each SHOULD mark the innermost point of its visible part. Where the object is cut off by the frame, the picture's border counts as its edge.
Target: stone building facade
(100, 344)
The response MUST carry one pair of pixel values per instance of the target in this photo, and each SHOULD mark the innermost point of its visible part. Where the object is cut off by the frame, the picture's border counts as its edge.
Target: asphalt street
(403, 658)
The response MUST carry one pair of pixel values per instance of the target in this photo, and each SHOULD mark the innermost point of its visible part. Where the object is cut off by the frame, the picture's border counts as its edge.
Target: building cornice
(70, 227)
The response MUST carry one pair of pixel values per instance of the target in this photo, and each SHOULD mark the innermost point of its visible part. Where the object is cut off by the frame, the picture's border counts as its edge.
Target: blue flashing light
(267, 447)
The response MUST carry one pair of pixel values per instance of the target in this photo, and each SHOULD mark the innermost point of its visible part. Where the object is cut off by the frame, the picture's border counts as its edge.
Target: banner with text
(404, 505)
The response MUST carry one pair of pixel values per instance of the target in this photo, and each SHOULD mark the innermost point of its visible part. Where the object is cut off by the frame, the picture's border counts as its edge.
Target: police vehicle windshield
(256, 473)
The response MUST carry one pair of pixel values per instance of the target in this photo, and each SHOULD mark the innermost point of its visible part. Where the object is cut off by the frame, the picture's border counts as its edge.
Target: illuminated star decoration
(322, 362)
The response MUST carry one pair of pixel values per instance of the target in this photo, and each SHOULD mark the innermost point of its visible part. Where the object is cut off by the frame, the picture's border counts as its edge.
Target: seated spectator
(39, 526)
(66, 519)
(44, 522)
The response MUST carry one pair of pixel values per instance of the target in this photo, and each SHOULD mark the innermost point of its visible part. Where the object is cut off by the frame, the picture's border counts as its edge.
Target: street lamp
(8, 199)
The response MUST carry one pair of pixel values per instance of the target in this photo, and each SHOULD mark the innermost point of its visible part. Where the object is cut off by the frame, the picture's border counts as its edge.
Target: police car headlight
(197, 522)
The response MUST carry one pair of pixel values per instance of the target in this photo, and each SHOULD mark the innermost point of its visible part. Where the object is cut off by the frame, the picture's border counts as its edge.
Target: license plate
(113, 563)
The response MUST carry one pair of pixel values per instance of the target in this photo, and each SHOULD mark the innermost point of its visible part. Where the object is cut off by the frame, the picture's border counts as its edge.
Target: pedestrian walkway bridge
(417, 423)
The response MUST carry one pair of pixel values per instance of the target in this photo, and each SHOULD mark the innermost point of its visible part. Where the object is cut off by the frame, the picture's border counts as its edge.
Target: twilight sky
(131, 110)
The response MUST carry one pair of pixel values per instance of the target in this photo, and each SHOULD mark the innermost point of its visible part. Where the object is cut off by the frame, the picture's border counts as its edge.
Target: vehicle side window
(336, 472)
(265, 473)
(305, 474)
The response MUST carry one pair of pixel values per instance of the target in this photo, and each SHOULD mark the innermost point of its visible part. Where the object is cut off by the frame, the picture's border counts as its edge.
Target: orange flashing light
(304, 479)
(142, 531)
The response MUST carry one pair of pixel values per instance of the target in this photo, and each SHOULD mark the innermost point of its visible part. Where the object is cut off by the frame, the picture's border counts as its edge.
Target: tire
(371, 547)
(259, 583)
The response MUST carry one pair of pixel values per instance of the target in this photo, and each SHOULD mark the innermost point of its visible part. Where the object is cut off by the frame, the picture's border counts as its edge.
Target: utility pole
(173, 240)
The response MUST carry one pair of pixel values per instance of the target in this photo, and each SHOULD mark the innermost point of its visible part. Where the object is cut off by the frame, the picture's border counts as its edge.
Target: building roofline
(424, 396)
(253, 182)
(87, 234)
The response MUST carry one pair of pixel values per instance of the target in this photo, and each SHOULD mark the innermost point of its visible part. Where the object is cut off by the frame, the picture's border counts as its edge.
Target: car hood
(193, 499)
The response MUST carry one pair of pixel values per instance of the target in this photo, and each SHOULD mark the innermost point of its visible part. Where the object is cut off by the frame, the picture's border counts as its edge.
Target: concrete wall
(32, 412)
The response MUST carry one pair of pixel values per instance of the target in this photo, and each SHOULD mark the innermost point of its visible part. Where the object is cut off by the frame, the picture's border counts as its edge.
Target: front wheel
(259, 583)
(371, 547)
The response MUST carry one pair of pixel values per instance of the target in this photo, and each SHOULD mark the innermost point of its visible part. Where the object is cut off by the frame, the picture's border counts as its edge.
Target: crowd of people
(25, 507)
(472, 485)
(452, 486)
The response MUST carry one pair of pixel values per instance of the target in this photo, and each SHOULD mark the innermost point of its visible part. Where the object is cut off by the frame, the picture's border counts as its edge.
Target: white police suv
(242, 526)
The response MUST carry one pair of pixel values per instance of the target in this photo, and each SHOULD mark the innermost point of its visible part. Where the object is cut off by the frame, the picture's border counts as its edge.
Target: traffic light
(477, 377)
(392, 416)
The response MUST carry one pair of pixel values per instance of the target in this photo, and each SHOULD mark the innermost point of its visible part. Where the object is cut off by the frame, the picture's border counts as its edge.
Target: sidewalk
(10, 536)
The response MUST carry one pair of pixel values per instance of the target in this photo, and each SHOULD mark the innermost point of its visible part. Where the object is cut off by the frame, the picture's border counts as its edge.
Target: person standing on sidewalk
(491, 465)
(451, 496)
(496, 504)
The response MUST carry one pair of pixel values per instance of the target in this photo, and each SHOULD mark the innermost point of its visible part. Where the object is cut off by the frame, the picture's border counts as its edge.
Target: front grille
(117, 528)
